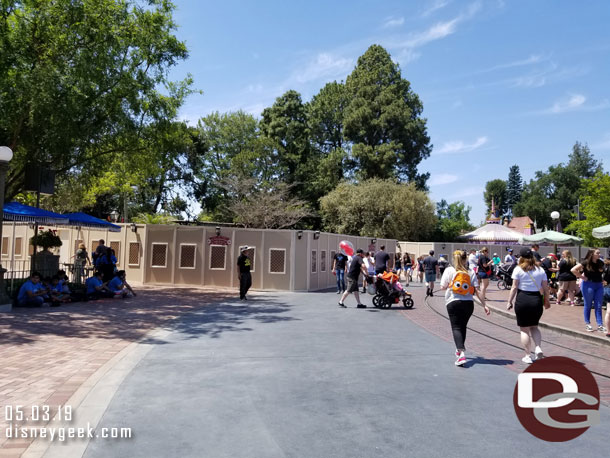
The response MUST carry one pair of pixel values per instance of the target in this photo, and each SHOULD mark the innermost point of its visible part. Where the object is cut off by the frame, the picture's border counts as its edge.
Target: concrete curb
(605, 341)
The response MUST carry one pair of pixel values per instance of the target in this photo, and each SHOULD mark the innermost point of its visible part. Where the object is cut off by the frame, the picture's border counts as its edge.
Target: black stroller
(386, 295)
(505, 273)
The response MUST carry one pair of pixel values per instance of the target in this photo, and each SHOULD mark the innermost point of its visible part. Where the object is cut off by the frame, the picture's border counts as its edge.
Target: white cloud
(575, 102)
(442, 178)
(532, 59)
(437, 5)
(468, 192)
(393, 22)
(439, 30)
(458, 146)
(324, 66)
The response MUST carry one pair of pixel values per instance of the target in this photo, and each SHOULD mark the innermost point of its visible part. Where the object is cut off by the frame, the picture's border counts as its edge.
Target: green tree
(596, 208)
(453, 220)
(496, 190)
(80, 79)
(227, 146)
(383, 121)
(514, 188)
(380, 208)
(582, 161)
(559, 188)
(325, 117)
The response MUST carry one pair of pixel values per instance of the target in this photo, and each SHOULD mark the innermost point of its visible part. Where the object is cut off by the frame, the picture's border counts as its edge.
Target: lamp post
(6, 154)
(555, 217)
(114, 216)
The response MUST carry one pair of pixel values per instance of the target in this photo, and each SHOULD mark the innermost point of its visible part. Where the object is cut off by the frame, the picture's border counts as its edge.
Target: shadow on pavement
(493, 362)
(191, 311)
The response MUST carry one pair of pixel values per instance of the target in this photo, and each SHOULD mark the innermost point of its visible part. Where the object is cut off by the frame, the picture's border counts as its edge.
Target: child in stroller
(505, 272)
(389, 291)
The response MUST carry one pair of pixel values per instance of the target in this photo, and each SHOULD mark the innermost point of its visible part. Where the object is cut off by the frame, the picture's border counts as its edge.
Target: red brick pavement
(46, 354)
(496, 338)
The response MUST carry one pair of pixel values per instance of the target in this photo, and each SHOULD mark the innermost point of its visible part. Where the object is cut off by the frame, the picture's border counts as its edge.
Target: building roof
(521, 224)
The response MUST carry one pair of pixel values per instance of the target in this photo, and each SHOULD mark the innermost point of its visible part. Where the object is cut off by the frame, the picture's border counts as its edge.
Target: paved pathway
(285, 375)
(292, 375)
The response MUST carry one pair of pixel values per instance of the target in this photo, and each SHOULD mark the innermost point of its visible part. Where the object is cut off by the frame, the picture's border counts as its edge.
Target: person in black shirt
(590, 272)
(431, 269)
(567, 280)
(355, 267)
(381, 260)
(339, 263)
(535, 253)
(550, 271)
(244, 263)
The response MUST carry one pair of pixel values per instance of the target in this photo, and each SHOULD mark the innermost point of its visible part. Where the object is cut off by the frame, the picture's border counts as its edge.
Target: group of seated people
(36, 291)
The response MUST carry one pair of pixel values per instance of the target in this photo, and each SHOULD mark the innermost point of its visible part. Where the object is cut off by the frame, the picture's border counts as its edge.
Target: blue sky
(502, 82)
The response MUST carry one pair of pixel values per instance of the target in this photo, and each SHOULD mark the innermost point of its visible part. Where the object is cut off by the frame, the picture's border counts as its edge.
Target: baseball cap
(244, 248)
(510, 250)
(553, 255)
(525, 252)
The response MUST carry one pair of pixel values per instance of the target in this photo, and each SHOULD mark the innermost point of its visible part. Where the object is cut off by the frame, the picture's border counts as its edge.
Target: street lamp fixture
(134, 227)
(6, 154)
(299, 234)
(217, 231)
(114, 216)
(373, 241)
(555, 217)
(316, 235)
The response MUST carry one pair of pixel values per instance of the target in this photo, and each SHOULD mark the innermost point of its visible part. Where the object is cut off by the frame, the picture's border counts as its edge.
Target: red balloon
(347, 248)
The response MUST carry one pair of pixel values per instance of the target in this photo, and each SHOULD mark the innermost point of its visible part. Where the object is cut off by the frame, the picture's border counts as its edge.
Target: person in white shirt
(460, 284)
(369, 263)
(509, 258)
(473, 261)
(530, 292)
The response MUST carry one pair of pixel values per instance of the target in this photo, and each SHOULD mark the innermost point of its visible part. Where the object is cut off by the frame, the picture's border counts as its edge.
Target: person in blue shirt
(119, 286)
(32, 292)
(56, 291)
(106, 264)
(96, 288)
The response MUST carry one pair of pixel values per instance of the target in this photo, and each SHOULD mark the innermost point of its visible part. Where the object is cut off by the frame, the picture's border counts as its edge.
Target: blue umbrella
(14, 211)
(84, 220)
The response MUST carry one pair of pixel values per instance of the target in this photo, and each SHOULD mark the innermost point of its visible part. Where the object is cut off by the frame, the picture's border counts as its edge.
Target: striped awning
(14, 211)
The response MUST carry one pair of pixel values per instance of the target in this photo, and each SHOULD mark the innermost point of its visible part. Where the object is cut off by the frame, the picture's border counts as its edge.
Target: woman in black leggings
(461, 285)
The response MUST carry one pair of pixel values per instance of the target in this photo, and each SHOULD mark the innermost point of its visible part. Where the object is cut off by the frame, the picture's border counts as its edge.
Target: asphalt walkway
(293, 375)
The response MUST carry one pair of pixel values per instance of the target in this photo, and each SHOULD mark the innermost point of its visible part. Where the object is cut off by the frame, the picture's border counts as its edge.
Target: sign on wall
(219, 240)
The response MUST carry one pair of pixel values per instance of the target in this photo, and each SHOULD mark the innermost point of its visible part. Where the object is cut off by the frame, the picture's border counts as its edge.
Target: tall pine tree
(514, 188)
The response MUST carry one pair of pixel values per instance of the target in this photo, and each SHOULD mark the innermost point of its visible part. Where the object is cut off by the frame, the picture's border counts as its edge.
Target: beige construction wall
(182, 255)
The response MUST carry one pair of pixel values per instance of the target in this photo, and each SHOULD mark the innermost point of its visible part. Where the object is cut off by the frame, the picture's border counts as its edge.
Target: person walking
(244, 264)
(528, 295)
(81, 259)
(381, 260)
(356, 267)
(431, 270)
(407, 265)
(509, 258)
(484, 271)
(420, 268)
(460, 284)
(590, 272)
(567, 280)
(398, 264)
(606, 282)
(339, 269)
(369, 263)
